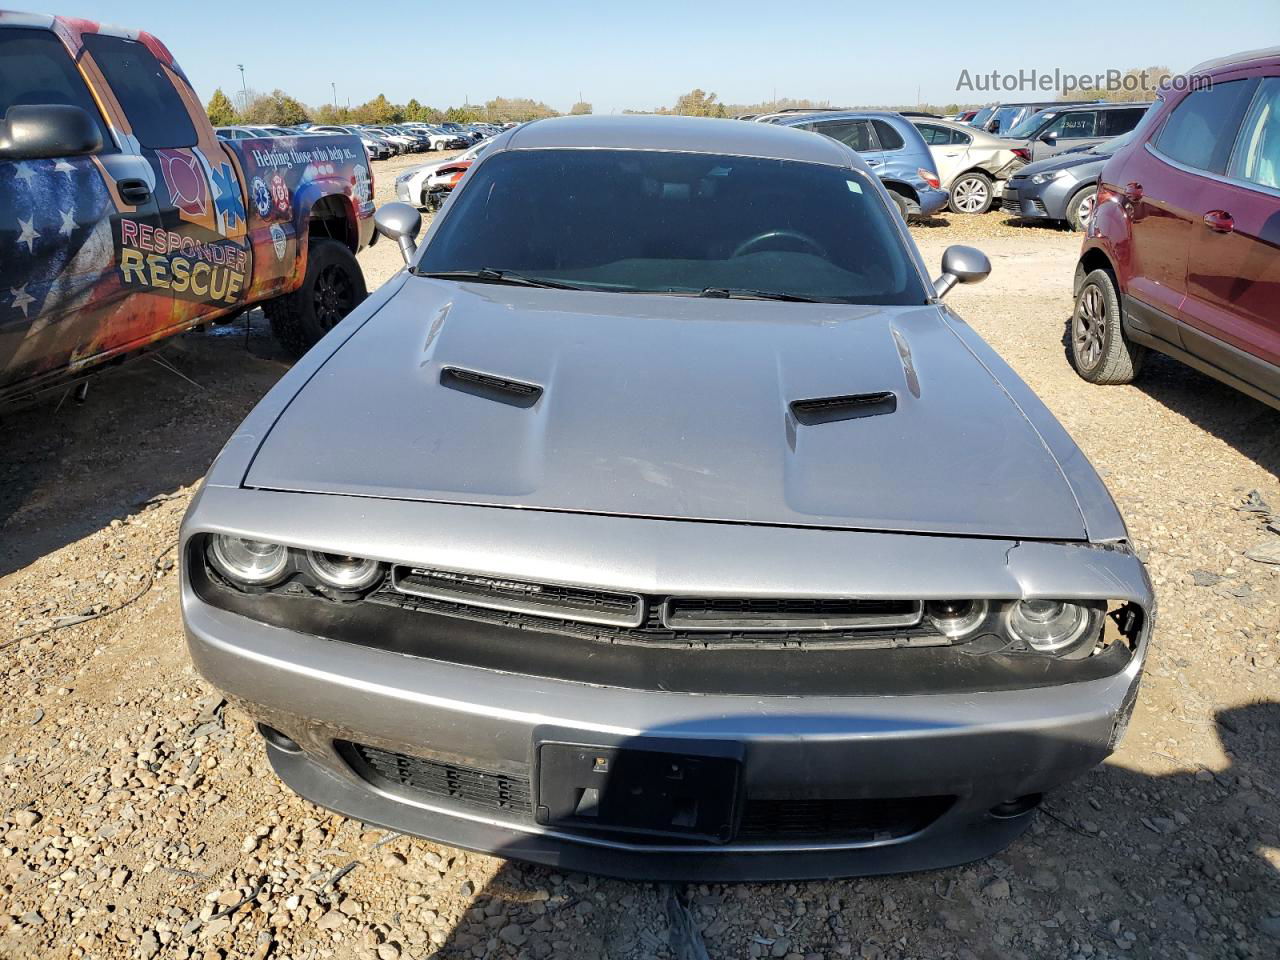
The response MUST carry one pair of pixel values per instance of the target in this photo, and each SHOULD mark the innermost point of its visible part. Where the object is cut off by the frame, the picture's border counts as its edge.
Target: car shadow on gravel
(146, 428)
(1248, 425)
(1127, 863)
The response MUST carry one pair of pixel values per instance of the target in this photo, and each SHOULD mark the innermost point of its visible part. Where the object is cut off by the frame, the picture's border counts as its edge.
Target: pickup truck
(125, 220)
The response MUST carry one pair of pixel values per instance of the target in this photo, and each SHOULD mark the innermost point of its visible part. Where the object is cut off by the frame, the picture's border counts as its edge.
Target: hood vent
(499, 389)
(852, 407)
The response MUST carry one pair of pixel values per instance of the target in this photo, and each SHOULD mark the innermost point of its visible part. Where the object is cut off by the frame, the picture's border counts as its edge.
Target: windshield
(1028, 127)
(982, 116)
(643, 221)
(1005, 119)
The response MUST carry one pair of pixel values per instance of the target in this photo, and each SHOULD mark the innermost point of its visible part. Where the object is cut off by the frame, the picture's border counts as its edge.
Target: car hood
(1061, 161)
(672, 407)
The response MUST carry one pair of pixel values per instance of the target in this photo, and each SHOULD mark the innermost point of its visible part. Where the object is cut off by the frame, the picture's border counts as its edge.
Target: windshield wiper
(490, 275)
(724, 293)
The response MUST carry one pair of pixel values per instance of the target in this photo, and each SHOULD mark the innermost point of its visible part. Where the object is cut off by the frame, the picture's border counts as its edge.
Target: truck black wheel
(1100, 351)
(332, 288)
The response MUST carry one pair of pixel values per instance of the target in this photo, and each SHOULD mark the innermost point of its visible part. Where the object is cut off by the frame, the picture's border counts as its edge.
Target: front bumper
(977, 749)
(1038, 201)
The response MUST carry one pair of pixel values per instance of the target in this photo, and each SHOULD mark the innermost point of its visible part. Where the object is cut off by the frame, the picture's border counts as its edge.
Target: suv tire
(1096, 341)
(971, 193)
(333, 287)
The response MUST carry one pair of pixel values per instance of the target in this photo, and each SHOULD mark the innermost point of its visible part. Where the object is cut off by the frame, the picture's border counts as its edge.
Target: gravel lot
(140, 818)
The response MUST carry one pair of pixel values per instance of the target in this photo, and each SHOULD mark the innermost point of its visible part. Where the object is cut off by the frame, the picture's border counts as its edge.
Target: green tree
(414, 111)
(379, 110)
(513, 110)
(580, 108)
(221, 112)
(277, 108)
(328, 114)
(698, 103)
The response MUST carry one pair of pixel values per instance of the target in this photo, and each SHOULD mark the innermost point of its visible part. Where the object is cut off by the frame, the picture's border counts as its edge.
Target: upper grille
(681, 622)
(698, 613)
(521, 596)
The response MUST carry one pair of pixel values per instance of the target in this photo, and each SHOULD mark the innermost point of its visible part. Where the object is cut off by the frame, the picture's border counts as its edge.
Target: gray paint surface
(672, 407)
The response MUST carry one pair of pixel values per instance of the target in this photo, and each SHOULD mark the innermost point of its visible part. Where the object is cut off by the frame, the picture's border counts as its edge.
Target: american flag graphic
(55, 238)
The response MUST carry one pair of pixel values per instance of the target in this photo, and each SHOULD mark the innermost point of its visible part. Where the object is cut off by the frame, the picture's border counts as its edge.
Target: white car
(414, 185)
(972, 165)
(440, 140)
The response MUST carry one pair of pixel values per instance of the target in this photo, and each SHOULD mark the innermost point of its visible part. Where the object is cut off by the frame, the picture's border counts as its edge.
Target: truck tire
(1099, 349)
(332, 288)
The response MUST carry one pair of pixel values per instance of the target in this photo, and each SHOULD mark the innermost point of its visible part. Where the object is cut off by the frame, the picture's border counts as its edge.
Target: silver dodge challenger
(659, 520)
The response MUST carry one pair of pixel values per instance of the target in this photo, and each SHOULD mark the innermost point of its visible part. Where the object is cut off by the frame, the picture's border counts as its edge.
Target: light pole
(334, 84)
(244, 89)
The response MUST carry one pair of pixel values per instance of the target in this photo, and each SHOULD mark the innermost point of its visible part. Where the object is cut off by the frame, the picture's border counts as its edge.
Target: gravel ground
(139, 818)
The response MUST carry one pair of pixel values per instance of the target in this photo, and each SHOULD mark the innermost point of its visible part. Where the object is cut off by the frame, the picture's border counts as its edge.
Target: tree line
(1138, 84)
(277, 108)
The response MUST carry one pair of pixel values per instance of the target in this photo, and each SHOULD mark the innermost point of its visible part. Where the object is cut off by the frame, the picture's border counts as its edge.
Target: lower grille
(468, 785)
(764, 820)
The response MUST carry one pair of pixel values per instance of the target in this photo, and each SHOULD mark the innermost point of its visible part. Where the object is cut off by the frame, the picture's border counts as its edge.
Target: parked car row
(380, 142)
(928, 162)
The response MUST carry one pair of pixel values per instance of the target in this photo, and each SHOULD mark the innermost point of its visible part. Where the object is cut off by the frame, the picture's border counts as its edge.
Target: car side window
(853, 133)
(157, 115)
(35, 69)
(1074, 125)
(960, 138)
(1112, 123)
(890, 139)
(1257, 153)
(934, 135)
(1200, 130)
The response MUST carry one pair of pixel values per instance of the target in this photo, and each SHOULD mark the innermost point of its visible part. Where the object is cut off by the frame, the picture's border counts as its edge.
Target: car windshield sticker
(854, 186)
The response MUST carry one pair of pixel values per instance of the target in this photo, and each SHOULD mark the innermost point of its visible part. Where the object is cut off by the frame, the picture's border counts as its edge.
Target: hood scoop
(852, 407)
(514, 393)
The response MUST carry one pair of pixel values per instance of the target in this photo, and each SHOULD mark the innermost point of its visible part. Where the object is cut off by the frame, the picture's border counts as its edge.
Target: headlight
(343, 572)
(1053, 626)
(956, 618)
(249, 562)
(1051, 175)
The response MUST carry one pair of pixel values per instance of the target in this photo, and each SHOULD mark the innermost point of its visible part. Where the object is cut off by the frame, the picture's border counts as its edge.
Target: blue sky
(644, 54)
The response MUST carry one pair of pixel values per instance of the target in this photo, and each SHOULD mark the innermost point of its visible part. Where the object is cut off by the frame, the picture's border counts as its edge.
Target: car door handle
(873, 163)
(1133, 191)
(133, 191)
(1219, 221)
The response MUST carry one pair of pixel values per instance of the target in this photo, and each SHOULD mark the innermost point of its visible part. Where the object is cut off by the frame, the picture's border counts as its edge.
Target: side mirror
(1050, 138)
(399, 222)
(37, 132)
(961, 264)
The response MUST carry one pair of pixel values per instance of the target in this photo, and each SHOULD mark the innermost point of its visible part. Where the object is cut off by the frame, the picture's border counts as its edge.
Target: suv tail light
(1022, 153)
(930, 178)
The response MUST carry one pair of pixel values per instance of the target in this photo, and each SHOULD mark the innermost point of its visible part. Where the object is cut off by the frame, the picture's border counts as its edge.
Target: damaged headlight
(1066, 629)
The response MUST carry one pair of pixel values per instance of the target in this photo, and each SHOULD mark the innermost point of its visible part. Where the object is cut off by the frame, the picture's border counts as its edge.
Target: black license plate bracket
(682, 789)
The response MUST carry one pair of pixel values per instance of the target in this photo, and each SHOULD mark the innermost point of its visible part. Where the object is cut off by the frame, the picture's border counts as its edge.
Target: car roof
(1236, 59)
(1112, 105)
(686, 134)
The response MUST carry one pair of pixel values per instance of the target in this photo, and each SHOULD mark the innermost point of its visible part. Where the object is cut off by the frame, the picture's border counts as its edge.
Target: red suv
(1183, 252)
